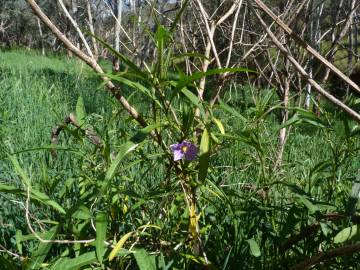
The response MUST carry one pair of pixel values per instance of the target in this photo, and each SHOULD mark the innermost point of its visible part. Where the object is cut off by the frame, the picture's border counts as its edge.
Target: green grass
(320, 164)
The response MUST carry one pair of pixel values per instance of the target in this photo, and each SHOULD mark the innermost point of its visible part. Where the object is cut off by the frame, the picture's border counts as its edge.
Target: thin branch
(301, 70)
(73, 22)
(327, 255)
(303, 44)
(88, 60)
(42, 240)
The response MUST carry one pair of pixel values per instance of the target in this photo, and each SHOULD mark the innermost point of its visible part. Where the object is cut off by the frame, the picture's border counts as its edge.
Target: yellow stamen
(184, 149)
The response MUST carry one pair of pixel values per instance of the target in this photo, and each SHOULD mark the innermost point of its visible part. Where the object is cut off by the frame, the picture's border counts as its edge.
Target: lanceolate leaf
(219, 125)
(309, 205)
(76, 263)
(101, 225)
(119, 245)
(39, 255)
(123, 151)
(23, 176)
(137, 86)
(186, 80)
(122, 57)
(34, 195)
(80, 111)
(204, 155)
(144, 260)
(193, 99)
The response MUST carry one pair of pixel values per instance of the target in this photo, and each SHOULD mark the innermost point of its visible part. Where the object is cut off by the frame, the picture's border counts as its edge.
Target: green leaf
(144, 260)
(39, 255)
(309, 205)
(219, 125)
(348, 234)
(101, 225)
(354, 198)
(82, 213)
(141, 135)
(124, 149)
(137, 86)
(254, 247)
(34, 195)
(179, 57)
(20, 171)
(193, 99)
(18, 238)
(325, 229)
(76, 263)
(80, 111)
(43, 198)
(204, 155)
(122, 57)
(128, 147)
(187, 80)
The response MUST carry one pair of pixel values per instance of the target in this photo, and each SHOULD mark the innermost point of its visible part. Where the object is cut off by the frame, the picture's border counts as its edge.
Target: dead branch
(116, 92)
(327, 255)
(302, 71)
(303, 44)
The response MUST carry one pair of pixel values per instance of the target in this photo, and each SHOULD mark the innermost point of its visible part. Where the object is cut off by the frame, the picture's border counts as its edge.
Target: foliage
(137, 208)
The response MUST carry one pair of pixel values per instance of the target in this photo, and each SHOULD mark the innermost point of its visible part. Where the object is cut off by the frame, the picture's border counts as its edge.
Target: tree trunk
(92, 31)
(118, 12)
(356, 40)
(41, 36)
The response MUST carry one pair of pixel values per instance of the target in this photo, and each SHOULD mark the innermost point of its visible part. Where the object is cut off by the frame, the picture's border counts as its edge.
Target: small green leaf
(347, 234)
(101, 225)
(82, 213)
(254, 247)
(309, 205)
(23, 176)
(80, 111)
(18, 238)
(187, 80)
(219, 125)
(204, 155)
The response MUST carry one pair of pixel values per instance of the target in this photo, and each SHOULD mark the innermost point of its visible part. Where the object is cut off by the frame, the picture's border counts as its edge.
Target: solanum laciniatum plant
(196, 188)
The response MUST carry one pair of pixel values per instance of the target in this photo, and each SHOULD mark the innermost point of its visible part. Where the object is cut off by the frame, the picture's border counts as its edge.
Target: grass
(245, 199)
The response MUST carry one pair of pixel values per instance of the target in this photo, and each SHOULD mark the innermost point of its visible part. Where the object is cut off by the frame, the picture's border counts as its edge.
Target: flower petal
(191, 152)
(178, 154)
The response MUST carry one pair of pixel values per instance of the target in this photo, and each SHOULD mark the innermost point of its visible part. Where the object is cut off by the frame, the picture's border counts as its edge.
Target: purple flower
(184, 149)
